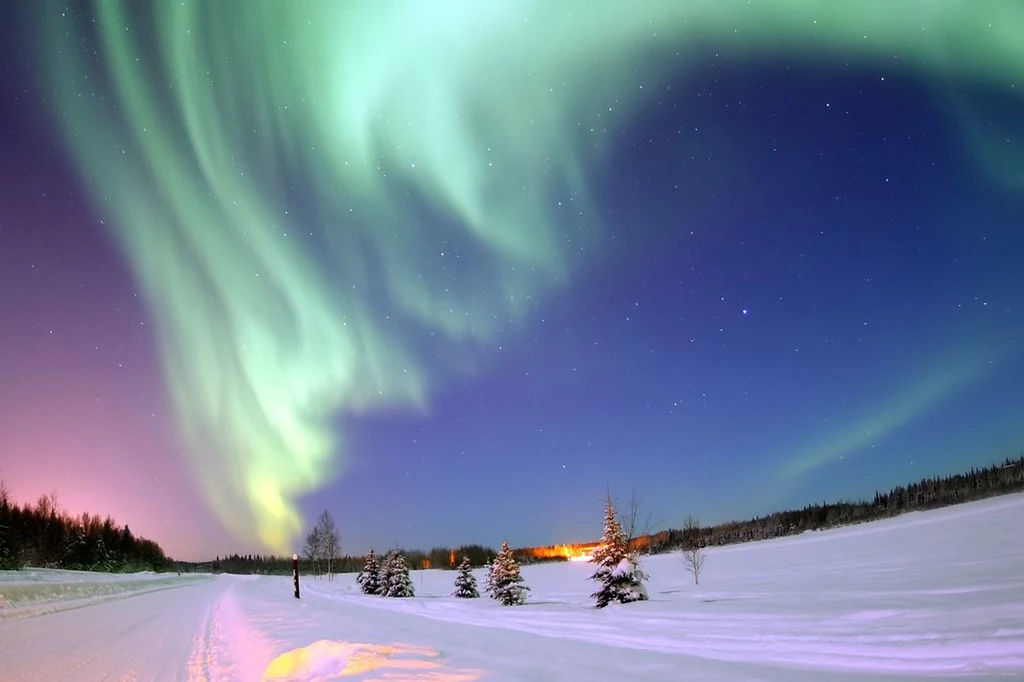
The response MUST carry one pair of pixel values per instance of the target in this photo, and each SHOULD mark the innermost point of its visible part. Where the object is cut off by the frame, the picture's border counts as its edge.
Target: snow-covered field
(925, 595)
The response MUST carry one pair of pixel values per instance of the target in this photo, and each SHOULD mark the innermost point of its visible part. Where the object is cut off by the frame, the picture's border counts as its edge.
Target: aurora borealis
(761, 252)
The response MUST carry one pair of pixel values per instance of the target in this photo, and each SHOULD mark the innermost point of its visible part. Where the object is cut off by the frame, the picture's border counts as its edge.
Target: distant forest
(44, 536)
(439, 557)
(928, 493)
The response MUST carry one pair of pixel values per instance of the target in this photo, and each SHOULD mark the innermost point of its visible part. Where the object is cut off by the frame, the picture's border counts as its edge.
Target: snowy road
(139, 637)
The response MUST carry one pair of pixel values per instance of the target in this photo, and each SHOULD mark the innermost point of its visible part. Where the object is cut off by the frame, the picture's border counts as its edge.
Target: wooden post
(295, 573)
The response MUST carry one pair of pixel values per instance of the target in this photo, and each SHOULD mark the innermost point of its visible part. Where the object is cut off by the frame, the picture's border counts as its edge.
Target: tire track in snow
(226, 648)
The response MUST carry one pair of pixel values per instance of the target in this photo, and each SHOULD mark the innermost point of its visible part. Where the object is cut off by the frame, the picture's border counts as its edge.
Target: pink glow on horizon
(103, 442)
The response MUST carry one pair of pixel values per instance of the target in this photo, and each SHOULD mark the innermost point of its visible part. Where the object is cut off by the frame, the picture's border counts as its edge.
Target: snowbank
(35, 591)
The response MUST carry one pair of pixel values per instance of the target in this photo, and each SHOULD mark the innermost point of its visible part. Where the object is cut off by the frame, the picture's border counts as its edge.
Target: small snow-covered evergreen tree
(504, 582)
(395, 580)
(369, 577)
(465, 583)
(618, 573)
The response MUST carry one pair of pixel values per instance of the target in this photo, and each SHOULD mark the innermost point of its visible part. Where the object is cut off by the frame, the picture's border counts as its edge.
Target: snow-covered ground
(925, 595)
(33, 592)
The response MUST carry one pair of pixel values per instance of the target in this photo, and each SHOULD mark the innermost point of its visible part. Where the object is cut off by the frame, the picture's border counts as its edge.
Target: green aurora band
(267, 166)
(898, 407)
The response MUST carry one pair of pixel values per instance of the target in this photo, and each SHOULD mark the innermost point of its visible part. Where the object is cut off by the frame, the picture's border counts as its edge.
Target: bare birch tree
(693, 547)
(330, 542)
(313, 549)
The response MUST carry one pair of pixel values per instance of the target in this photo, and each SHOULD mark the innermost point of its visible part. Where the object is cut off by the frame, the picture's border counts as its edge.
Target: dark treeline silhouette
(928, 493)
(44, 536)
(451, 557)
(271, 565)
(438, 557)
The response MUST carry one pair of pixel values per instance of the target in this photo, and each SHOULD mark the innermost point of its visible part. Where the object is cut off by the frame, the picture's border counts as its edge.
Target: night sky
(448, 269)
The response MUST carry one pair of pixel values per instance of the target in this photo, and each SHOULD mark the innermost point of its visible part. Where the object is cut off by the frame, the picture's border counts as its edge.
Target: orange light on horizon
(577, 552)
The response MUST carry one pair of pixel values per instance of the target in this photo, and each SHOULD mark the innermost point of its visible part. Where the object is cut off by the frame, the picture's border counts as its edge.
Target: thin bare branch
(632, 528)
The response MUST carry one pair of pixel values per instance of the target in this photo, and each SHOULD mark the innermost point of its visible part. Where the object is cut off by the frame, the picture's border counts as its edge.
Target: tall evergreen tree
(7, 559)
(369, 577)
(395, 579)
(100, 557)
(504, 582)
(75, 550)
(618, 573)
(465, 583)
(7, 544)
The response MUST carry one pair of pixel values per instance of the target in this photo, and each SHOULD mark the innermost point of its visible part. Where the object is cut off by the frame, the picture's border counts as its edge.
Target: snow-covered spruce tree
(465, 583)
(396, 570)
(369, 577)
(504, 581)
(618, 573)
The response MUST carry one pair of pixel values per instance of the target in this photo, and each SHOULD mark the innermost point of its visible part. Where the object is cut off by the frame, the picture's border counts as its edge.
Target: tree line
(45, 536)
(316, 560)
(928, 493)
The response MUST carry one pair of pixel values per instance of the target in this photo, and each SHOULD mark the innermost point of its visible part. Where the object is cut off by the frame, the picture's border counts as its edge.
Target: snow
(33, 592)
(624, 567)
(926, 595)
